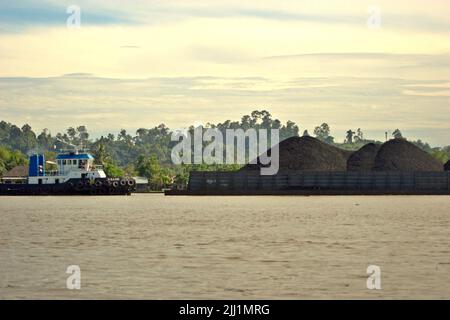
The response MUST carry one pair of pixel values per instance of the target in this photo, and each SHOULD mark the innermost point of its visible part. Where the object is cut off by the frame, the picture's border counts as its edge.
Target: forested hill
(147, 151)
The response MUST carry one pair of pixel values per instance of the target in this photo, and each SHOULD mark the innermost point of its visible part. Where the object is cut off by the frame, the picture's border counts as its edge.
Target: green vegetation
(440, 155)
(147, 153)
(10, 158)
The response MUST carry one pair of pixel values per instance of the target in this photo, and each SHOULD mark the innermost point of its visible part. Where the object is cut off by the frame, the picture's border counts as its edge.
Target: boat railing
(52, 173)
(63, 171)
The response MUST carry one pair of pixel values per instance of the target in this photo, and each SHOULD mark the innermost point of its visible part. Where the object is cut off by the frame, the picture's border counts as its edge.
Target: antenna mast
(76, 148)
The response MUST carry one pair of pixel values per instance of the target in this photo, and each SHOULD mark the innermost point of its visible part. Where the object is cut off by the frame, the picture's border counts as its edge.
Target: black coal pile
(447, 166)
(364, 158)
(401, 155)
(308, 154)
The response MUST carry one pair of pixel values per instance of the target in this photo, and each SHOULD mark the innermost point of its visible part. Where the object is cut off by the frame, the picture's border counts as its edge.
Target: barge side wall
(389, 182)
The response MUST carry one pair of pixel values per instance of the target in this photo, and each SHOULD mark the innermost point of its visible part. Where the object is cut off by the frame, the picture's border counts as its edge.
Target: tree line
(147, 151)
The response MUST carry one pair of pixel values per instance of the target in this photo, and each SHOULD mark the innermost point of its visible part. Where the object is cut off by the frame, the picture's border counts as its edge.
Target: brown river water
(156, 247)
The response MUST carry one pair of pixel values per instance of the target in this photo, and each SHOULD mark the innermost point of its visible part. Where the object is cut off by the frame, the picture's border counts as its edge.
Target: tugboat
(76, 174)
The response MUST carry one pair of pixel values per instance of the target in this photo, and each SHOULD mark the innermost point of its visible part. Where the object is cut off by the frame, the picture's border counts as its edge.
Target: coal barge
(310, 167)
(76, 174)
(294, 182)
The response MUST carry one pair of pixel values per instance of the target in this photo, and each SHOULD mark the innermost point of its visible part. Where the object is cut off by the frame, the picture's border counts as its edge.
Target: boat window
(64, 162)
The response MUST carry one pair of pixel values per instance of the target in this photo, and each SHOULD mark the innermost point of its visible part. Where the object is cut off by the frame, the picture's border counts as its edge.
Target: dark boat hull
(98, 187)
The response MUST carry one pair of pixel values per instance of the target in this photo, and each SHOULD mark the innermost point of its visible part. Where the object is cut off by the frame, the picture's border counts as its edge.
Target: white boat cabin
(71, 165)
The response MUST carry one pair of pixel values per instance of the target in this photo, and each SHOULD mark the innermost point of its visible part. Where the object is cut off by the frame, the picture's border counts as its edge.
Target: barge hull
(309, 183)
(99, 187)
(305, 193)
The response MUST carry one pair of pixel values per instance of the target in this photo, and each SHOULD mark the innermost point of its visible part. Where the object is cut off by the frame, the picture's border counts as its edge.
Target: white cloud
(105, 104)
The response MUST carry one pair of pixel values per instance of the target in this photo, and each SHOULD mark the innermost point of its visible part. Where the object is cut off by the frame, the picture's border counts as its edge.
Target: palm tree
(350, 134)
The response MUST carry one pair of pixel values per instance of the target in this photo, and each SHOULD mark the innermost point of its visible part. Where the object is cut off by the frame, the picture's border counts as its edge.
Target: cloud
(406, 65)
(78, 74)
(402, 60)
(354, 55)
(219, 54)
(15, 15)
(108, 104)
(432, 89)
(441, 93)
(20, 15)
(416, 22)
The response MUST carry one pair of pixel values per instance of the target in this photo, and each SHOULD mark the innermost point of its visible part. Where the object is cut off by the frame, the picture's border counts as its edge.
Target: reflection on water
(156, 247)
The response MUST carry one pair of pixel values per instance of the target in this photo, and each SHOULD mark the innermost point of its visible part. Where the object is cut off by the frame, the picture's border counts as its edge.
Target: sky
(354, 64)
